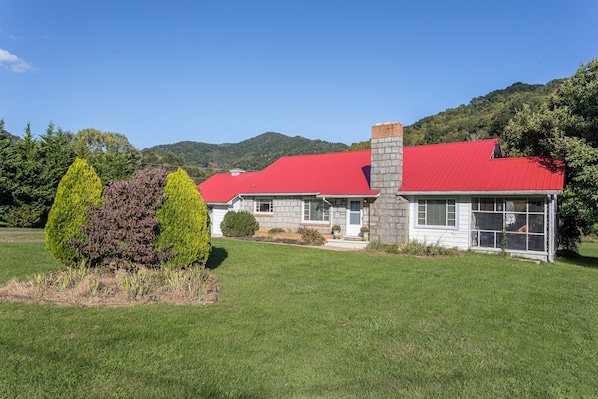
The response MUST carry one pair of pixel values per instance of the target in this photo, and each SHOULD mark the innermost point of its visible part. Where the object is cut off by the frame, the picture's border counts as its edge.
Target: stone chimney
(389, 219)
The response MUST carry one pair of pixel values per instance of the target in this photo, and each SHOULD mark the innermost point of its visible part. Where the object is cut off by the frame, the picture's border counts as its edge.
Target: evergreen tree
(26, 208)
(7, 168)
(184, 222)
(77, 191)
(56, 154)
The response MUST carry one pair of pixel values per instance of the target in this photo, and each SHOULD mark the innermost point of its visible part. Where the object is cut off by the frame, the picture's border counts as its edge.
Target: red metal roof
(451, 168)
(469, 167)
(339, 174)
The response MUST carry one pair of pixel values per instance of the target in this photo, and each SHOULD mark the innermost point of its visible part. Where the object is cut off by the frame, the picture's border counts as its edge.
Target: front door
(353, 218)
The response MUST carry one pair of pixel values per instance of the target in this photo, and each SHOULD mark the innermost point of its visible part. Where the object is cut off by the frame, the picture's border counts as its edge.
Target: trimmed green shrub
(78, 189)
(184, 222)
(311, 236)
(239, 224)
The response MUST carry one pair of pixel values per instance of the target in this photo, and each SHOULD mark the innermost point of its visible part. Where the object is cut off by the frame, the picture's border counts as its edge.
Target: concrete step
(347, 243)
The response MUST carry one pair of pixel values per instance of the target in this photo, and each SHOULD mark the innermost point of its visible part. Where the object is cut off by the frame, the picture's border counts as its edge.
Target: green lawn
(296, 322)
(589, 248)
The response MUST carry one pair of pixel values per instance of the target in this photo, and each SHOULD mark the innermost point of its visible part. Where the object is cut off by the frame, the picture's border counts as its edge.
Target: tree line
(31, 168)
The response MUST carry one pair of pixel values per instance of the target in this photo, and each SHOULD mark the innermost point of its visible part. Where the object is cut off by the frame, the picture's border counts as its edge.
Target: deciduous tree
(111, 154)
(566, 128)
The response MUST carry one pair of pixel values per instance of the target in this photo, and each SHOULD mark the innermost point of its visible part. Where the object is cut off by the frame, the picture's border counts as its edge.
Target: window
(509, 223)
(436, 212)
(315, 210)
(264, 205)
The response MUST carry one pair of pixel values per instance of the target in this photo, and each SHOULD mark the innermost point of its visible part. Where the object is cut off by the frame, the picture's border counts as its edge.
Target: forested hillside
(252, 154)
(485, 116)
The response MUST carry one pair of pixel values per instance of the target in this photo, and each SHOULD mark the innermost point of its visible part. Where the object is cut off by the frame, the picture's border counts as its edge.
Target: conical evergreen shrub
(78, 189)
(184, 222)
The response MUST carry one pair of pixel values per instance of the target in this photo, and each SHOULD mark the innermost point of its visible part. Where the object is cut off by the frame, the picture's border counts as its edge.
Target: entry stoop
(348, 244)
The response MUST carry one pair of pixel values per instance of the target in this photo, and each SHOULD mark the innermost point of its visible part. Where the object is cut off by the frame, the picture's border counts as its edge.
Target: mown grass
(16, 234)
(297, 322)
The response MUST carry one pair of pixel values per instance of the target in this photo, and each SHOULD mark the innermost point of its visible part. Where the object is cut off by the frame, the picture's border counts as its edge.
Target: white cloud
(14, 63)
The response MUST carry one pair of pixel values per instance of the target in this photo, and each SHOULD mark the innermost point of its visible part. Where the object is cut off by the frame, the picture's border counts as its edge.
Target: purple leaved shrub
(122, 231)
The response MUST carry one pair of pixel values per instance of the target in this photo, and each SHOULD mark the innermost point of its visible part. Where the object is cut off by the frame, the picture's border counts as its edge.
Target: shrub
(311, 236)
(78, 189)
(239, 224)
(378, 246)
(276, 230)
(122, 232)
(184, 222)
(24, 215)
(418, 248)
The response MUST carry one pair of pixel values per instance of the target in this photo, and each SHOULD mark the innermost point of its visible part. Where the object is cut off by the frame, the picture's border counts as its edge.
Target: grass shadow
(217, 256)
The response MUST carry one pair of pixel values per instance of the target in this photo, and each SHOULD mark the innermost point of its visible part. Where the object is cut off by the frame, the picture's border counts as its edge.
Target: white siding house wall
(216, 216)
(449, 237)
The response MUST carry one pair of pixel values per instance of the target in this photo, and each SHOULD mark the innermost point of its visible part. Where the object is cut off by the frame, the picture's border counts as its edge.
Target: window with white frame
(509, 223)
(315, 210)
(436, 212)
(264, 205)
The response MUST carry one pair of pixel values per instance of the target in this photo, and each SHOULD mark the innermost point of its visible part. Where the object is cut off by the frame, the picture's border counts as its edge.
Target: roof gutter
(349, 195)
(522, 192)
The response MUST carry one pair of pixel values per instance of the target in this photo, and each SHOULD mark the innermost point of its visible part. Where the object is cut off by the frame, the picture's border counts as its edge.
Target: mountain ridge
(484, 117)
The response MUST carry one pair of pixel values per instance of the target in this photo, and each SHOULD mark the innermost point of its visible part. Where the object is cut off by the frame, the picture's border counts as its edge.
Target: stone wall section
(287, 211)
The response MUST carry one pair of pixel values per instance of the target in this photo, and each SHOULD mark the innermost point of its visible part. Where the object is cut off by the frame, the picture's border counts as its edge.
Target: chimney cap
(387, 129)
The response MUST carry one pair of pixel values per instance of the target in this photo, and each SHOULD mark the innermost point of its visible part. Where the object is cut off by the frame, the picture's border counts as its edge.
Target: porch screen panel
(512, 223)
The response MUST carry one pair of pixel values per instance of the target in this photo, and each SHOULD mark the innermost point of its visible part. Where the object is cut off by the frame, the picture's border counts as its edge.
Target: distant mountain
(484, 117)
(252, 154)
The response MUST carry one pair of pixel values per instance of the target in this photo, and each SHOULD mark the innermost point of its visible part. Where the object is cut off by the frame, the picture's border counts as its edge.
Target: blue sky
(223, 71)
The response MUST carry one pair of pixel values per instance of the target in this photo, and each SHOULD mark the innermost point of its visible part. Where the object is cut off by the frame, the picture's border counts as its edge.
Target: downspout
(242, 202)
(331, 211)
(554, 233)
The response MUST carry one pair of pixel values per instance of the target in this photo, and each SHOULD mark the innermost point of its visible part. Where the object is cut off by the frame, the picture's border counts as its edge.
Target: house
(462, 195)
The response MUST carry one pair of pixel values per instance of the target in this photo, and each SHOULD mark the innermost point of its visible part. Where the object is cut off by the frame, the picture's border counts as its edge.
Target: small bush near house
(276, 230)
(417, 248)
(413, 247)
(311, 236)
(378, 246)
(239, 224)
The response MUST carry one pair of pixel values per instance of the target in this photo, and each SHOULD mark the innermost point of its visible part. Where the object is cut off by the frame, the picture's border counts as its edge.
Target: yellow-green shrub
(184, 222)
(79, 188)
